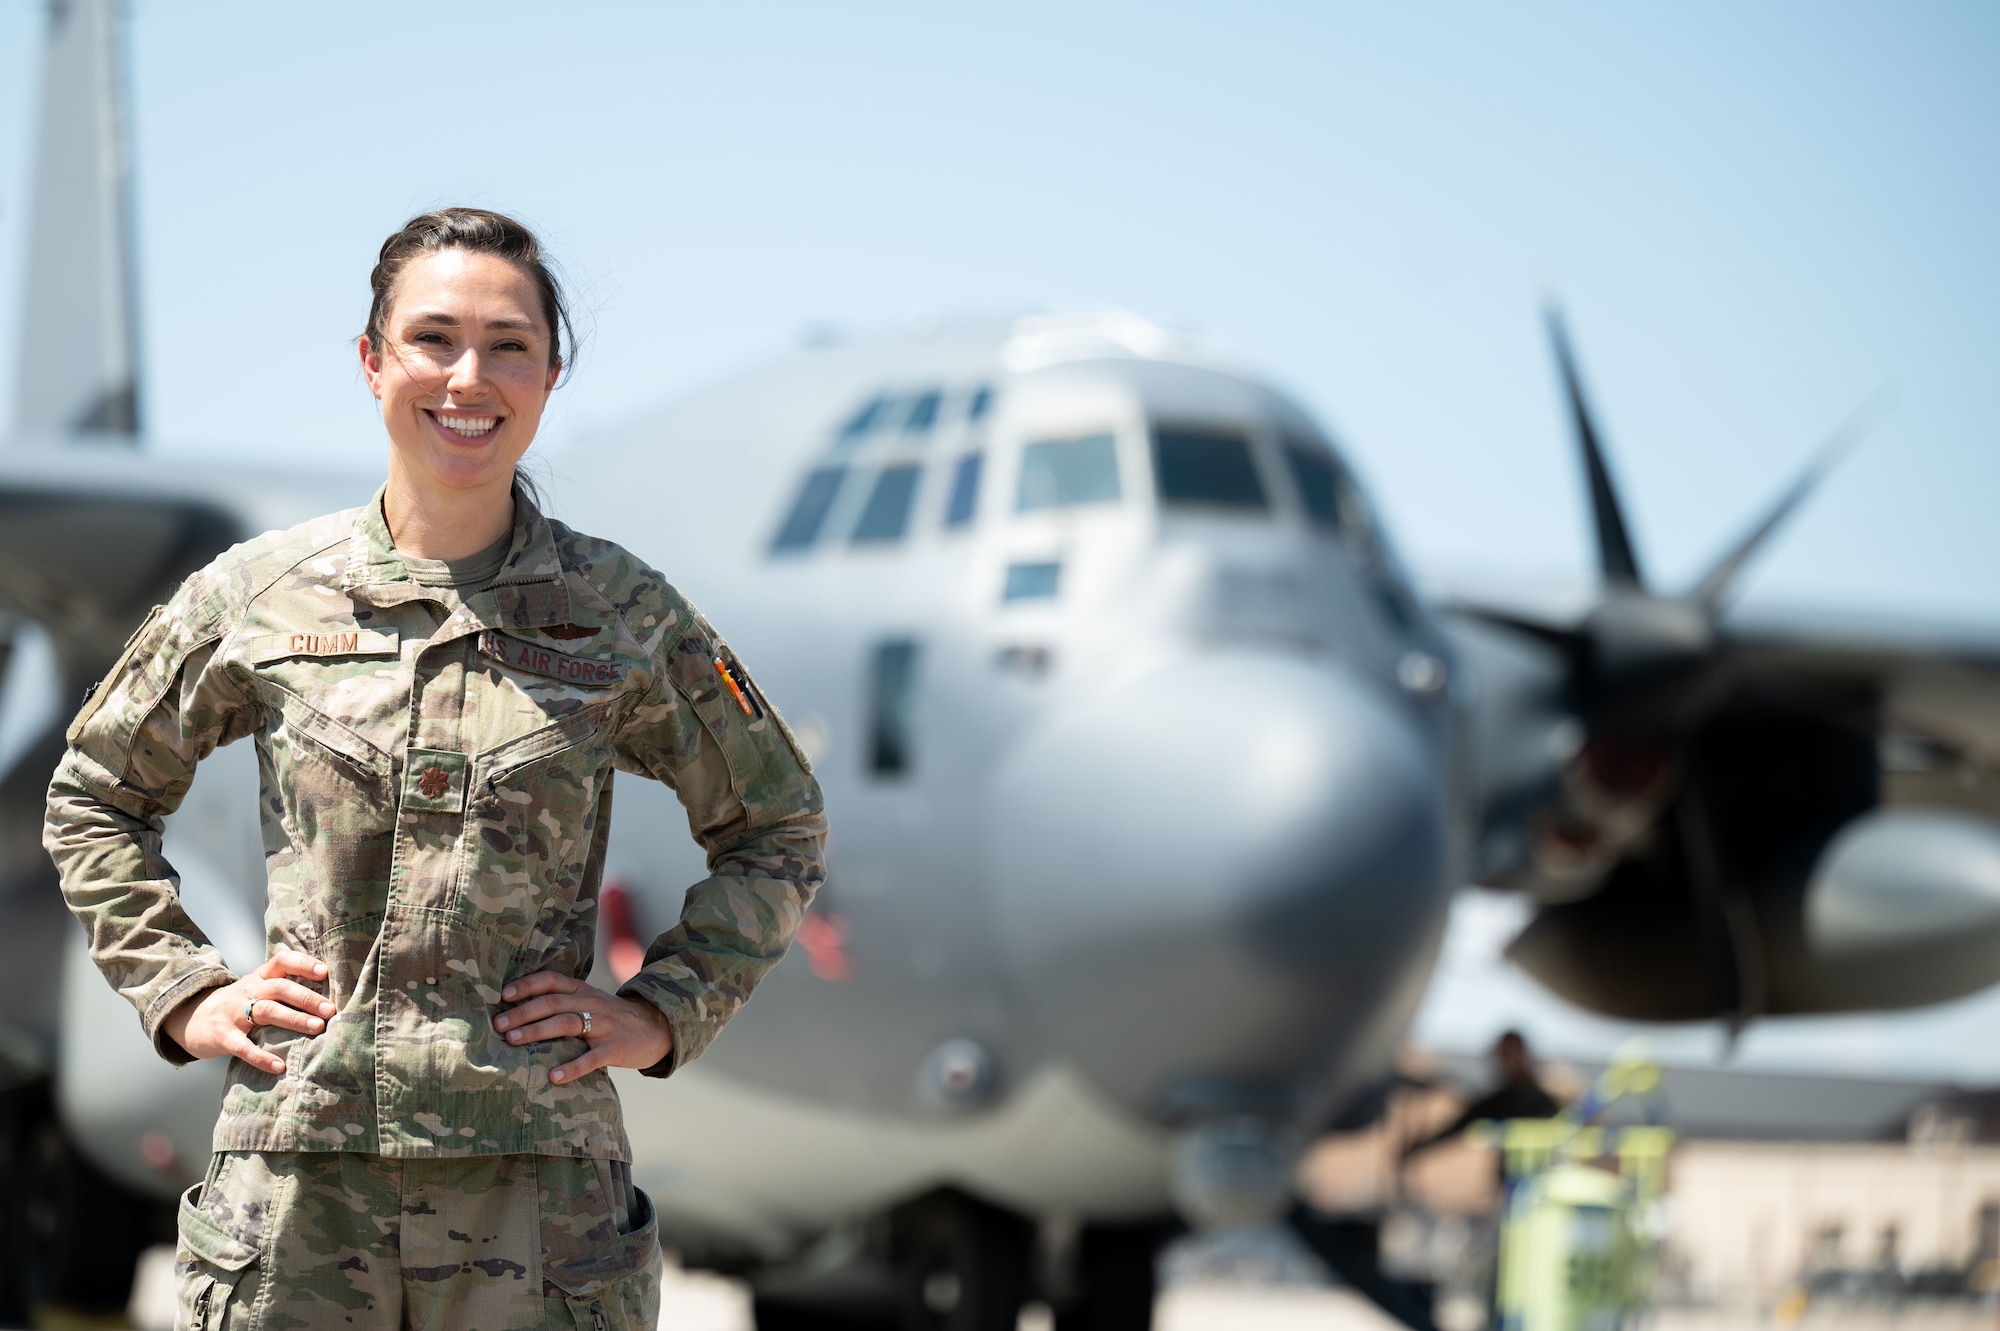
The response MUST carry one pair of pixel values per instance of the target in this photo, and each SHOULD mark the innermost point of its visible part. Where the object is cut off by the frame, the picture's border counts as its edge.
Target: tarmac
(695, 1301)
(700, 1301)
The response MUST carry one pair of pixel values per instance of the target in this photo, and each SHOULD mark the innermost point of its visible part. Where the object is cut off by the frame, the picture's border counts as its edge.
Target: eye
(434, 339)
(511, 344)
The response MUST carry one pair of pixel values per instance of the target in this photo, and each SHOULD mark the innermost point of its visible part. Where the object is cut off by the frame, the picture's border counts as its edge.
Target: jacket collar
(530, 590)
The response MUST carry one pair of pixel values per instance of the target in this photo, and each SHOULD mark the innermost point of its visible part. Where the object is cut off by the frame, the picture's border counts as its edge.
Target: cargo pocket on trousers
(612, 1286)
(209, 1264)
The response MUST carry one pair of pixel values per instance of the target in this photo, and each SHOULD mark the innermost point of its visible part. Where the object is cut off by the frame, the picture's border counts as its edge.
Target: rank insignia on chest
(580, 670)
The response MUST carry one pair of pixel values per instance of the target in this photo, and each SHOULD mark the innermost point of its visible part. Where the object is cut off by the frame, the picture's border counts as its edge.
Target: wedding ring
(247, 1018)
(586, 1023)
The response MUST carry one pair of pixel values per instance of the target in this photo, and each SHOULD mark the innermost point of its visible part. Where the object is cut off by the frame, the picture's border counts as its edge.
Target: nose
(1218, 886)
(467, 374)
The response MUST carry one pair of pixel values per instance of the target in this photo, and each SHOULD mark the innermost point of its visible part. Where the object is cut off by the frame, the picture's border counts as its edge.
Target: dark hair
(480, 231)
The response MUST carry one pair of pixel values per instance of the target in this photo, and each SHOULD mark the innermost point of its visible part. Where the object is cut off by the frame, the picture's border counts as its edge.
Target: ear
(555, 373)
(371, 364)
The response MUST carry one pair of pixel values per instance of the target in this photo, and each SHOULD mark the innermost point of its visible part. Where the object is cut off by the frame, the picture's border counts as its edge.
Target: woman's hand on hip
(621, 1032)
(217, 1021)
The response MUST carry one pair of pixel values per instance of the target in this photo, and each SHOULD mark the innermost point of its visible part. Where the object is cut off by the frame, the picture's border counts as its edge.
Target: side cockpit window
(881, 444)
(892, 707)
(1318, 484)
(1210, 468)
(964, 499)
(864, 421)
(886, 516)
(808, 514)
(1059, 473)
(922, 413)
(1334, 503)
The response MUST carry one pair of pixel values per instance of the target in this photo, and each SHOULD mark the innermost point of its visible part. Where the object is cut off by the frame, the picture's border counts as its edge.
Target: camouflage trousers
(298, 1241)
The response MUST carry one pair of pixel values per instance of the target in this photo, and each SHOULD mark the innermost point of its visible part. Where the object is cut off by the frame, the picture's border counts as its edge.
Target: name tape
(323, 642)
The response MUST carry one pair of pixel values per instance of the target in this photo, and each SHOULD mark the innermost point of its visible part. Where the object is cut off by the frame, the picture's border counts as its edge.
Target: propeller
(1640, 660)
(1615, 557)
(1644, 670)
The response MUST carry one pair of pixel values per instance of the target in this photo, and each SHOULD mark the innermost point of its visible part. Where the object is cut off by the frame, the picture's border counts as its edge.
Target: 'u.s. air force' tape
(556, 665)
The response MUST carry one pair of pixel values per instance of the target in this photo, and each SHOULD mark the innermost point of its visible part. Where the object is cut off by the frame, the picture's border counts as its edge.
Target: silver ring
(247, 1018)
(586, 1023)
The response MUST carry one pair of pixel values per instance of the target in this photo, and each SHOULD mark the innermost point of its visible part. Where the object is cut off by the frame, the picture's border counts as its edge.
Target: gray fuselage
(1138, 755)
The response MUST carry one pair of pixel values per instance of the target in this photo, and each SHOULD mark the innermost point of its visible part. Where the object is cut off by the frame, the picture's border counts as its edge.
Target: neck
(445, 524)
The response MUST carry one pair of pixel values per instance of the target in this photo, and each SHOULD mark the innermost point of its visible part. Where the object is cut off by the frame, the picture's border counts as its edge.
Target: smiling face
(463, 372)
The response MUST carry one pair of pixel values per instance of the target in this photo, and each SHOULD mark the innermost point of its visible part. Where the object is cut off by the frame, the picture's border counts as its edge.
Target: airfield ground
(697, 1301)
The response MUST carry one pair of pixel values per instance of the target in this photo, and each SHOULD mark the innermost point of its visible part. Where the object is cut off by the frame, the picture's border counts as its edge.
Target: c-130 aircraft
(1151, 775)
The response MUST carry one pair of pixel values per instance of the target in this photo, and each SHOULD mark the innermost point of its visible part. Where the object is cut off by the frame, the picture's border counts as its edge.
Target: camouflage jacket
(436, 772)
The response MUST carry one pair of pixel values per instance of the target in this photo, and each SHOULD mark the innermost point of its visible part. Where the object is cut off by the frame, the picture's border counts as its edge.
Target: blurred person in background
(419, 1128)
(1519, 1095)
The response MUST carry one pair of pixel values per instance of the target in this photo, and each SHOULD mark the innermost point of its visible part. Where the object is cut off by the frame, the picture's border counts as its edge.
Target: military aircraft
(1150, 770)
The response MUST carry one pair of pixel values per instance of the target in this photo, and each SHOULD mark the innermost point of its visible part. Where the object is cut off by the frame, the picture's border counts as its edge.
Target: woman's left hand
(624, 1032)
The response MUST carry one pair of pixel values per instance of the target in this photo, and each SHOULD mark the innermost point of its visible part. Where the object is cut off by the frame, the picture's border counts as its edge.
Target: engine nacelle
(1904, 909)
(1901, 909)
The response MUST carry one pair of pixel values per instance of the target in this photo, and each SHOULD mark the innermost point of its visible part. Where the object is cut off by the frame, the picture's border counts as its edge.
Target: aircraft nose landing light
(960, 1073)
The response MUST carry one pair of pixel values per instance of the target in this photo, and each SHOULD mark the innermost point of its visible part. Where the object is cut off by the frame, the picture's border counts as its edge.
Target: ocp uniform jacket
(436, 774)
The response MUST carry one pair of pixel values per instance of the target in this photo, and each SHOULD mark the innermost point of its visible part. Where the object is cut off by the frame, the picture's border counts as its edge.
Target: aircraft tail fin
(79, 361)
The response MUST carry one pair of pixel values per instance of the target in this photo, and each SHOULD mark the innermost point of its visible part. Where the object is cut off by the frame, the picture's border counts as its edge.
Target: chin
(463, 473)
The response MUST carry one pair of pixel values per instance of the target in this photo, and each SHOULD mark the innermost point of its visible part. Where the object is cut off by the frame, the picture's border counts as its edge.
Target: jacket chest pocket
(331, 795)
(531, 822)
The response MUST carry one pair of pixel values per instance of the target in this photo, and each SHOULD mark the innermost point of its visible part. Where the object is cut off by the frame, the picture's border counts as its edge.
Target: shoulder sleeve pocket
(145, 642)
(766, 768)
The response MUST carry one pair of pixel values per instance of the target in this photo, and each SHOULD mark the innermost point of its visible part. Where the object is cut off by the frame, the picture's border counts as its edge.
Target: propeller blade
(1555, 635)
(1731, 942)
(1713, 588)
(1615, 557)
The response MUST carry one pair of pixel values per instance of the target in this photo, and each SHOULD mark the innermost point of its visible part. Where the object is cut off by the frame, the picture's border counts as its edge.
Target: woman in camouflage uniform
(419, 1128)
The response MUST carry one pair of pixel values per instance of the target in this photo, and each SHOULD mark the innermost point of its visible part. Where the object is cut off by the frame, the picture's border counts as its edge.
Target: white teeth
(468, 425)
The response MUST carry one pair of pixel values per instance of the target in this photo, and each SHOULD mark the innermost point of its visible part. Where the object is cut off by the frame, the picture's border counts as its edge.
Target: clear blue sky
(1755, 214)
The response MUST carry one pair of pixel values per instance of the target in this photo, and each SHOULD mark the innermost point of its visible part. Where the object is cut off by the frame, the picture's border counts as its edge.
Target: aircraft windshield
(1056, 473)
(887, 515)
(1205, 467)
(808, 515)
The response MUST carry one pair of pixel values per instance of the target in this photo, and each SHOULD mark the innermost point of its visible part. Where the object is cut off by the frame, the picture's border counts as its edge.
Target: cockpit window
(964, 490)
(864, 420)
(981, 403)
(887, 514)
(1206, 467)
(1056, 473)
(923, 413)
(1319, 484)
(892, 702)
(808, 515)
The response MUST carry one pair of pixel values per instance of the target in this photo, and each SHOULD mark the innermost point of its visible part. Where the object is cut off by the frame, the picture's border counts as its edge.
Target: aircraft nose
(1214, 881)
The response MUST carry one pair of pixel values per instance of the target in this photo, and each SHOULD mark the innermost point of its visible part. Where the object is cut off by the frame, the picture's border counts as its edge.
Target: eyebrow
(440, 318)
